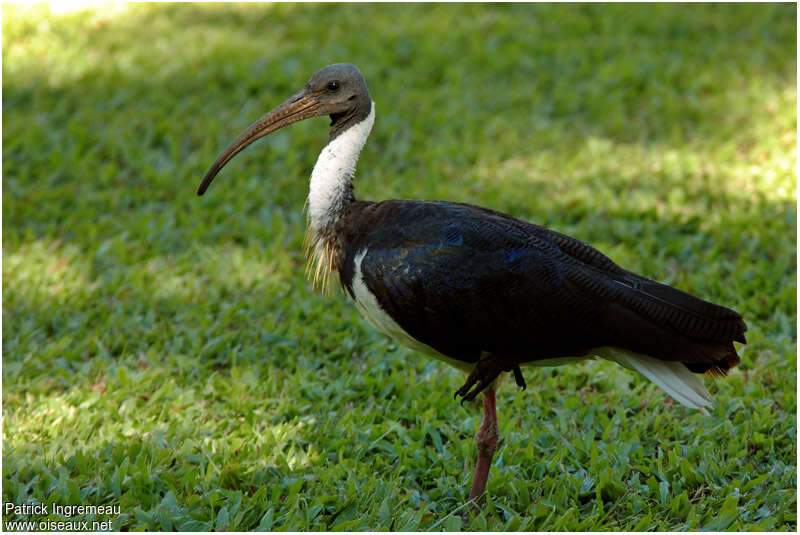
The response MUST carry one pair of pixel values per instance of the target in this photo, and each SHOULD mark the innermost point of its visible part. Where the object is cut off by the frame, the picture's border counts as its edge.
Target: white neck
(330, 189)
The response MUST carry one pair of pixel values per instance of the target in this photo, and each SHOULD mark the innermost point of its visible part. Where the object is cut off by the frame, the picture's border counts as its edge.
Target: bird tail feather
(671, 376)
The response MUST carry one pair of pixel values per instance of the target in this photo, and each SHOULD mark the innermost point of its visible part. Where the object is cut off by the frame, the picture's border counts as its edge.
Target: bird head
(338, 90)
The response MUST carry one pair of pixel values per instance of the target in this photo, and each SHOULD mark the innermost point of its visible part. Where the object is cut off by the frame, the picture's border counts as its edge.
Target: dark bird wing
(467, 280)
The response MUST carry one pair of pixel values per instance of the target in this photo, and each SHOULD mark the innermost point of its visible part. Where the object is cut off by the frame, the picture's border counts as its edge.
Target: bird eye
(333, 86)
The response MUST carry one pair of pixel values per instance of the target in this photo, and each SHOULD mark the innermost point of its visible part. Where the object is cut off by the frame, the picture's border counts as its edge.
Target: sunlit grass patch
(167, 353)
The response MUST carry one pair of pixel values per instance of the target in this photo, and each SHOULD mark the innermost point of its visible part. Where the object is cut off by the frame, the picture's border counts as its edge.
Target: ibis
(479, 289)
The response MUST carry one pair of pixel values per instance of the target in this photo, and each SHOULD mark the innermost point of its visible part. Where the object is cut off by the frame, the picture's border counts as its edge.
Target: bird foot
(485, 372)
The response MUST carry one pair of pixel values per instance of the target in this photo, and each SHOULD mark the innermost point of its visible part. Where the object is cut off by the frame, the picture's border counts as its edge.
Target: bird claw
(468, 393)
(518, 377)
(485, 372)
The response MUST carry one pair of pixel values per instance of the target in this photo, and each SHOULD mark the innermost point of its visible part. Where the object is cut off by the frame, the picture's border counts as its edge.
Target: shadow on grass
(165, 110)
(125, 276)
(155, 486)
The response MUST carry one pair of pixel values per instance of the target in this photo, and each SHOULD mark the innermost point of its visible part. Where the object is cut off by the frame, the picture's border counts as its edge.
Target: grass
(165, 353)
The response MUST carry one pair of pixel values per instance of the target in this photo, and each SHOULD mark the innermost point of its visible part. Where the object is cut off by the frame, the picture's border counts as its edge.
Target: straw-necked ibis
(482, 290)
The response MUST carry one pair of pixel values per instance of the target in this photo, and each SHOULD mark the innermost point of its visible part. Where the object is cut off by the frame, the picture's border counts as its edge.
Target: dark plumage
(483, 290)
(466, 280)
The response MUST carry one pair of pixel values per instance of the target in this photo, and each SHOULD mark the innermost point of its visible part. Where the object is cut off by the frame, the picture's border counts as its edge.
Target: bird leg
(480, 381)
(486, 439)
(484, 374)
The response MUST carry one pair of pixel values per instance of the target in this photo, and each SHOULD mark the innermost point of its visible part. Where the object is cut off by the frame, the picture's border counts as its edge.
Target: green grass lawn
(167, 354)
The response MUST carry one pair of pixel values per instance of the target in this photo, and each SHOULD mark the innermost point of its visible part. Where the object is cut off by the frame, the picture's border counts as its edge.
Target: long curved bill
(295, 108)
